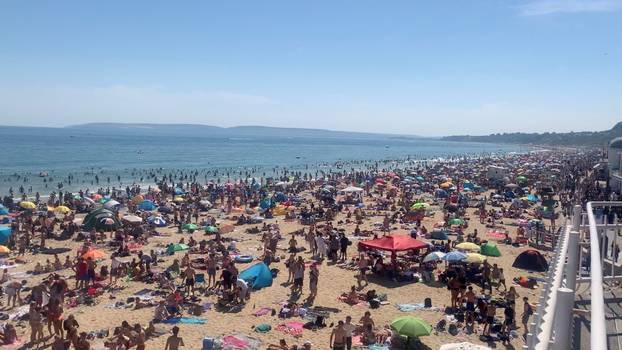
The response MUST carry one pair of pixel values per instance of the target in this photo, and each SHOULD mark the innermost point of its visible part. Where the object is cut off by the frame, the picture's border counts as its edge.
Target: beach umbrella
(176, 247)
(463, 346)
(133, 219)
(88, 201)
(419, 205)
(3, 210)
(410, 326)
(419, 178)
(178, 199)
(211, 229)
(454, 256)
(61, 209)
(94, 254)
(5, 234)
(439, 235)
(446, 185)
(111, 204)
(475, 258)
(4, 249)
(490, 249)
(468, 246)
(511, 186)
(138, 199)
(206, 203)
(434, 256)
(27, 205)
(455, 222)
(96, 197)
(146, 205)
(156, 221)
(190, 227)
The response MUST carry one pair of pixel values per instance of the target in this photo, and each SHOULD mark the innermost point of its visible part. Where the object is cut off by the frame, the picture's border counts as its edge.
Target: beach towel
(415, 307)
(144, 291)
(185, 320)
(262, 311)
(378, 347)
(240, 342)
(495, 234)
(292, 328)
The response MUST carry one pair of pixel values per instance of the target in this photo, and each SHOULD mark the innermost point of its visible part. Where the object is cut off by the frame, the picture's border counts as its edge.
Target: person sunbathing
(282, 346)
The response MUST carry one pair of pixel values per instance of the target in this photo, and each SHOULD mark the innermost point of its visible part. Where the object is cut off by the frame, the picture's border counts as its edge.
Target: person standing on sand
(174, 342)
(314, 275)
(189, 274)
(211, 270)
(527, 312)
(337, 337)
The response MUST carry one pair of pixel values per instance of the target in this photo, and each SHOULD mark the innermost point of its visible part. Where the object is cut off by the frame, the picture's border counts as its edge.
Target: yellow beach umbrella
(468, 246)
(61, 209)
(446, 184)
(178, 199)
(27, 205)
(4, 250)
(475, 258)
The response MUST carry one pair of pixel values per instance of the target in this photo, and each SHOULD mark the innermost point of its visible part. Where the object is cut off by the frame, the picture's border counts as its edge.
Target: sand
(332, 282)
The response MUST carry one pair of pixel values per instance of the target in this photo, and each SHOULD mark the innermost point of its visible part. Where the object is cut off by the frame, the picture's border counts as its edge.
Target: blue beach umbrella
(3, 210)
(147, 205)
(5, 234)
(454, 257)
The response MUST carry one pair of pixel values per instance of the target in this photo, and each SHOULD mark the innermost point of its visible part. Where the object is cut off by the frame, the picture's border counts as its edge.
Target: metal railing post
(572, 262)
(563, 319)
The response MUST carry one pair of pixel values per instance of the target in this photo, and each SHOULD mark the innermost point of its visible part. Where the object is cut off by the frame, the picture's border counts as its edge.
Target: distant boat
(386, 146)
(297, 157)
(43, 174)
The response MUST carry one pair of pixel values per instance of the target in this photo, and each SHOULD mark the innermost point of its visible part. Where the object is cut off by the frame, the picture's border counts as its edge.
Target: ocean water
(28, 151)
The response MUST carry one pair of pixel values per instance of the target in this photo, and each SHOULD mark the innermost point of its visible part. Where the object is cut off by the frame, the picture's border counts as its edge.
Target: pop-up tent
(531, 260)
(257, 276)
(101, 219)
(490, 249)
(5, 234)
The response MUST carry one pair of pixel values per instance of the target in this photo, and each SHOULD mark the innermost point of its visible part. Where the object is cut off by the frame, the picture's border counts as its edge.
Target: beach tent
(146, 205)
(257, 276)
(3, 210)
(111, 204)
(394, 243)
(490, 249)
(97, 220)
(352, 189)
(172, 248)
(5, 234)
(532, 260)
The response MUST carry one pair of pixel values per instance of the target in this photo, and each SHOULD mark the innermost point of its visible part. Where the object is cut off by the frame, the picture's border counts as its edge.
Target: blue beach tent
(257, 276)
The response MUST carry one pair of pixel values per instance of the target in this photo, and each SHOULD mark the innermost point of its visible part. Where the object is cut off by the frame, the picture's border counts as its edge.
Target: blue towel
(186, 320)
(378, 347)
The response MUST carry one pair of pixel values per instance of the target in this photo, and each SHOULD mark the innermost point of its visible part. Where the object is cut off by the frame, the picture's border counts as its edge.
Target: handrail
(598, 330)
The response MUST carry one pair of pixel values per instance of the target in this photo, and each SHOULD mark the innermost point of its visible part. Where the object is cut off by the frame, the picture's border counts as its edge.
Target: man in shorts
(338, 337)
(189, 274)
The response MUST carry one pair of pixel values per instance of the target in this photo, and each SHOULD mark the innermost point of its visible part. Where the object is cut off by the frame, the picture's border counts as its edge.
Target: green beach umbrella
(176, 247)
(211, 229)
(455, 222)
(190, 227)
(490, 249)
(410, 326)
(419, 206)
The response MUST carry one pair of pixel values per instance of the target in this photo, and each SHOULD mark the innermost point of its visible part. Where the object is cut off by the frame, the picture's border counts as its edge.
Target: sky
(426, 68)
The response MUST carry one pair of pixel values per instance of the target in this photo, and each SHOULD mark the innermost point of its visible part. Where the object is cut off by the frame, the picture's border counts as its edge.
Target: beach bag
(427, 302)
(208, 343)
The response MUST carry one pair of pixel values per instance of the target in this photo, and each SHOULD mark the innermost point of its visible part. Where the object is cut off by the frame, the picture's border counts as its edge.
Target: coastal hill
(584, 138)
(201, 130)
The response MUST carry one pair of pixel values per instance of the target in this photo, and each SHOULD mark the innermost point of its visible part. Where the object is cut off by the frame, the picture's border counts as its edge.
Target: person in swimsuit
(470, 307)
(338, 337)
(140, 337)
(189, 274)
(491, 310)
(174, 342)
(211, 270)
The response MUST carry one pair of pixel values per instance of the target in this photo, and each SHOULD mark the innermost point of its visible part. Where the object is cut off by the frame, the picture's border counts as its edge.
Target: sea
(106, 160)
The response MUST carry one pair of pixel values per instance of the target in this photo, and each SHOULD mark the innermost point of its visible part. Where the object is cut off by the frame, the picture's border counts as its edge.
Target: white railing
(598, 330)
(551, 327)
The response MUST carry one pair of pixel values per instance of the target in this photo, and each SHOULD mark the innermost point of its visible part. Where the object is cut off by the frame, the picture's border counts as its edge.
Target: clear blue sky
(409, 67)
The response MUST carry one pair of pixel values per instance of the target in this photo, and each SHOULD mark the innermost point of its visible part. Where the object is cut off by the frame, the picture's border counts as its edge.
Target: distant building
(614, 164)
